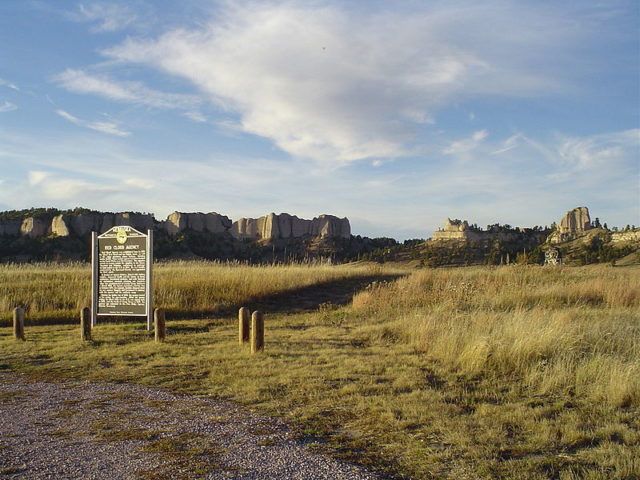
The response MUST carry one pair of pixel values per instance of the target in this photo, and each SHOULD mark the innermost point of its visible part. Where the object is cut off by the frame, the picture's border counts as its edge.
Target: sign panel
(122, 259)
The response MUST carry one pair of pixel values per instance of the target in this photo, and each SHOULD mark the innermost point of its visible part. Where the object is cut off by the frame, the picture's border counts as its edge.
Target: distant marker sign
(121, 282)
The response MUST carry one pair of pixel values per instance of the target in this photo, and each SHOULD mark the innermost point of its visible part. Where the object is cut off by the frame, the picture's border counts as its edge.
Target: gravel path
(83, 430)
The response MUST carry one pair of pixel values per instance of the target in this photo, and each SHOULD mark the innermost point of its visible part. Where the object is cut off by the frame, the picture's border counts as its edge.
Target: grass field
(507, 372)
(55, 293)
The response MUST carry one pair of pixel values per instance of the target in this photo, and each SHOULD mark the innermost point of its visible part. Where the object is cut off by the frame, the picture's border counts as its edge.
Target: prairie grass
(55, 293)
(472, 373)
(574, 330)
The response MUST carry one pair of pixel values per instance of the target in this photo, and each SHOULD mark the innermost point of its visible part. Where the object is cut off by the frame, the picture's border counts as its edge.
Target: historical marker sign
(122, 259)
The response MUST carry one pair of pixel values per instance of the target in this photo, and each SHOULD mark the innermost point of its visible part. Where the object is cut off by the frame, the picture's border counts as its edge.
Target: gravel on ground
(93, 431)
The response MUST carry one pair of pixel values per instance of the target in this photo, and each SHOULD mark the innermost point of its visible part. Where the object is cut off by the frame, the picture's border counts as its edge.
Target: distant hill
(49, 234)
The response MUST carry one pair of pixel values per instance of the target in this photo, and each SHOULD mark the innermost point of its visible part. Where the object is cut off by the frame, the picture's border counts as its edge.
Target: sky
(396, 115)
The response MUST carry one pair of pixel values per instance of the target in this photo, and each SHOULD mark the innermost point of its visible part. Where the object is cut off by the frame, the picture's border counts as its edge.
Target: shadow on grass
(305, 299)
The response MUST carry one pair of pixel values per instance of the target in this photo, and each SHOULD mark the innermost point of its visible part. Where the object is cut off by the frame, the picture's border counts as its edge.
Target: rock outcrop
(34, 227)
(575, 221)
(625, 236)
(269, 227)
(274, 226)
(574, 224)
(461, 231)
(80, 225)
(10, 227)
(455, 230)
(198, 222)
(60, 226)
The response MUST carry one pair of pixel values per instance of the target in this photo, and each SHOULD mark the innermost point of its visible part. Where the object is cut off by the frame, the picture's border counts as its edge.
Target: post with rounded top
(243, 325)
(18, 323)
(159, 324)
(257, 332)
(85, 324)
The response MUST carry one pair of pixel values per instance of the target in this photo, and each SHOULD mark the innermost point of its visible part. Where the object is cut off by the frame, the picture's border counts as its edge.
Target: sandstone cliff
(274, 226)
(574, 224)
(80, 225)
(69, 224)
(198, 222)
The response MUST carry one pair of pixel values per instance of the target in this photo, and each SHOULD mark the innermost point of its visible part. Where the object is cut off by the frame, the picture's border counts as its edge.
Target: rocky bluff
(51, 234)
(268, 227)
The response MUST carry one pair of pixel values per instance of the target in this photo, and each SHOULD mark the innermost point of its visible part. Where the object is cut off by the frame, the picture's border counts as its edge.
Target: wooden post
(243, 325)
(18, 323)
(85, 324)
(257, 332)
(159, 324)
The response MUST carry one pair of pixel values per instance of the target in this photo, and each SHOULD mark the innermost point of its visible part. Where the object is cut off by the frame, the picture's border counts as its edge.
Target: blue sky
(394, 114)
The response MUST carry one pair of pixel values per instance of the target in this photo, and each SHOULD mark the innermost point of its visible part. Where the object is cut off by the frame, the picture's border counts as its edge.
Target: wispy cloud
(34, 177)
(110, 128)
(336, 86)
(104, 16)
(509, 144)
(53, 187)
(5, 83)
(195, 116)
(466, 145)
(80, 81)
(519, 186)
(599, 150)
(7, 107)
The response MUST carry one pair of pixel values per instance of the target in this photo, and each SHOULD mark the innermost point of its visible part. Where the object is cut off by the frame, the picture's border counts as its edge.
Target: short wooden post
(18, 323)
(159, 325)
(85, 324)
(257, 332)
(243, 325)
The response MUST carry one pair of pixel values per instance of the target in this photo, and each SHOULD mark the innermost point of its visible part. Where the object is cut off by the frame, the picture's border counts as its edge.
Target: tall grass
(569, 330)
(58, 291)
(472, 373)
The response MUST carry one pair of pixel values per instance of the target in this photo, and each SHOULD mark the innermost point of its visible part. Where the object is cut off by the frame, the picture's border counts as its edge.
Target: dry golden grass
(472, 373)
(56, 292)
(559, 329)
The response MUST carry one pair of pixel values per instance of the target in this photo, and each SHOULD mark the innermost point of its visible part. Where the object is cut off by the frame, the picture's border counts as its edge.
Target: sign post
(121, 264)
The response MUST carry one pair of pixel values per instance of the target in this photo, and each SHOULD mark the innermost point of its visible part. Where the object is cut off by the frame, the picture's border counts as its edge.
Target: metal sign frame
(121, 234)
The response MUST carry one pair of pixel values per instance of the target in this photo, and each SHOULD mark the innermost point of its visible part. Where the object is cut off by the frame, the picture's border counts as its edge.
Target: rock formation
(574, 223)
(10, 227)
(274, 226)
(455, 230)
(198, 222)
(34, 227)
(269, 227)
(60, 226)
(80, 225)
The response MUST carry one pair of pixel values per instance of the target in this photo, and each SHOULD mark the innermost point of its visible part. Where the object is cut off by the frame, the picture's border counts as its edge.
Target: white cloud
(35, 177)
(599, 150)
(509, 144)
(5, 83)
(336, 86)
(195, 116)
(71, 118)
(7, 107)
(520, 186)
(466, 145)
(68, 188)
(105, 16)
(110, 128)
(142, 183)
(80, 81)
